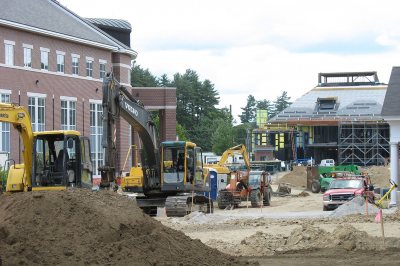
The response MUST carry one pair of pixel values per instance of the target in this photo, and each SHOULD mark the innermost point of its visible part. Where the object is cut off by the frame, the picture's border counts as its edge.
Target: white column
(394, 169)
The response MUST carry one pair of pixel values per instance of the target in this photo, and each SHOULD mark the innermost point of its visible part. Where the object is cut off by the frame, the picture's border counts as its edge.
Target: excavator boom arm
(118, 102)
(19, 117)
(239, 149)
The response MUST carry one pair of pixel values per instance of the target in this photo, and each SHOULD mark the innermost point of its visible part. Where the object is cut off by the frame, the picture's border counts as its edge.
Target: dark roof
(116, 24)
(391, 106)
(51, 16)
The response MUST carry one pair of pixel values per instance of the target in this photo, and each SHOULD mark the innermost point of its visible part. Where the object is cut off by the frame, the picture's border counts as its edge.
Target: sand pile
(380, 175)
(297, 177)
(355, 206)
(77, 227)
(307, 237)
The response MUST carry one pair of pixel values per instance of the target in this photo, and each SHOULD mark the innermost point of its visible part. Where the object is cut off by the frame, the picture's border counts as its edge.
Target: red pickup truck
(342, 190)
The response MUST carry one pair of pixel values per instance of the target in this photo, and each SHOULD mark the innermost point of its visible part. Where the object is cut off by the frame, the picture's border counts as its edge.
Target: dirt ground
(295, 230)
(81, 227)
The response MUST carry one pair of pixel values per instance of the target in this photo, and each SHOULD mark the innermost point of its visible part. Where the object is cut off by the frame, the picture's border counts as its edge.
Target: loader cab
(61, 159)
(182, 167)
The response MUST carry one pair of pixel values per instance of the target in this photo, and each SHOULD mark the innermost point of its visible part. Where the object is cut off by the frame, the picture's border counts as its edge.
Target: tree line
(198, 118)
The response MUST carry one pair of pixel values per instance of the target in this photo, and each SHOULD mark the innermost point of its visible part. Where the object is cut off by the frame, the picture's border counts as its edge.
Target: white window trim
(42, 49)
(75, 55)
(89, 58)
(9, 60)
(102, 61)
(35, 94)
(63, 61)
(2, 91)
(95, 101)
(60, 53)
(68, 98)
(9, 42)
(30, 46)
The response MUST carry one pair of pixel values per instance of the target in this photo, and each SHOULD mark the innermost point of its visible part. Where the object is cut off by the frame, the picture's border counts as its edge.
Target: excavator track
(179, 206)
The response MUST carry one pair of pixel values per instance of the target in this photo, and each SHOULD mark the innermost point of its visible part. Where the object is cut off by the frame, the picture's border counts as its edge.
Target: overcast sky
(258, 47)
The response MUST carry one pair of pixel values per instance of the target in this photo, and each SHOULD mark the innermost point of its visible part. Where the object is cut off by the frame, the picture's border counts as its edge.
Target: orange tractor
(243, 186)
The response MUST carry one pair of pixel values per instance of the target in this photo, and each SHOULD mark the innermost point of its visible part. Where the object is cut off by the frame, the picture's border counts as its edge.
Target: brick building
(52, 61)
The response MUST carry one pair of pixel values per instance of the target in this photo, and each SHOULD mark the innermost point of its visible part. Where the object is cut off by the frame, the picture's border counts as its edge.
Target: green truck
(328, 173)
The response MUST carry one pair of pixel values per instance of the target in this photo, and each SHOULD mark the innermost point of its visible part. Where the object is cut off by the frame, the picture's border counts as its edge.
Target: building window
(9, 52)
(27, 56)
(68, 113)
(60, 62)
(89, 67)
(36, 105)
(326, 104)
(75, 65)
(5, 127)
(44, 58)
(102, 68)
(36, 108)
(96, 133)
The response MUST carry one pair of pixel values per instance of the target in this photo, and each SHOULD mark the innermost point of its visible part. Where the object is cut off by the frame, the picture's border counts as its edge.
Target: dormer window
(327, 104)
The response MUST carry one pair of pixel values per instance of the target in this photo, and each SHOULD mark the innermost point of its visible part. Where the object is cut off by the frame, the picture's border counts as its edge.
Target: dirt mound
(77, 227)
(297, 177)
(303, 194)
(380, 175)
(307, 237)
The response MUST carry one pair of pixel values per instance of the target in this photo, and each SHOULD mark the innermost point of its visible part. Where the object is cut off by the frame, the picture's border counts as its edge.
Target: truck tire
(255, 198)
(225, 198)
(315, 186)
(267, 197)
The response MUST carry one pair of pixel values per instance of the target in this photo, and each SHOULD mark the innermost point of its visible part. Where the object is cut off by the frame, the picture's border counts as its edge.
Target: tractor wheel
(225, 198)
(267, 197)
(315, 186)
(255, 198)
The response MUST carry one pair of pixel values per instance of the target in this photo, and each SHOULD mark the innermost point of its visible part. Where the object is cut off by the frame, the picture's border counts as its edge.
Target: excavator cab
(60, 159)
(182, 167)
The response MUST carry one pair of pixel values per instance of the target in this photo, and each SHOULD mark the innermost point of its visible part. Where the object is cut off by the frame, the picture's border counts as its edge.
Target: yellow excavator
(225, 166)
(171, 173)
(52, 160)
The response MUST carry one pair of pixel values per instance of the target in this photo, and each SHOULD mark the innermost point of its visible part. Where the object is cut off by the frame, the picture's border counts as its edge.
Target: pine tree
(249, 111)
(281, 103)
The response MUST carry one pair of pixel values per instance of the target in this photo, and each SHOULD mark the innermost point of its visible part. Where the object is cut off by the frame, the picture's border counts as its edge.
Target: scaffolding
(363, 143)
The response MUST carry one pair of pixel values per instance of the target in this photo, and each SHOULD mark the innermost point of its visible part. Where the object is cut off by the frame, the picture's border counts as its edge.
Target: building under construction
(338, 119)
